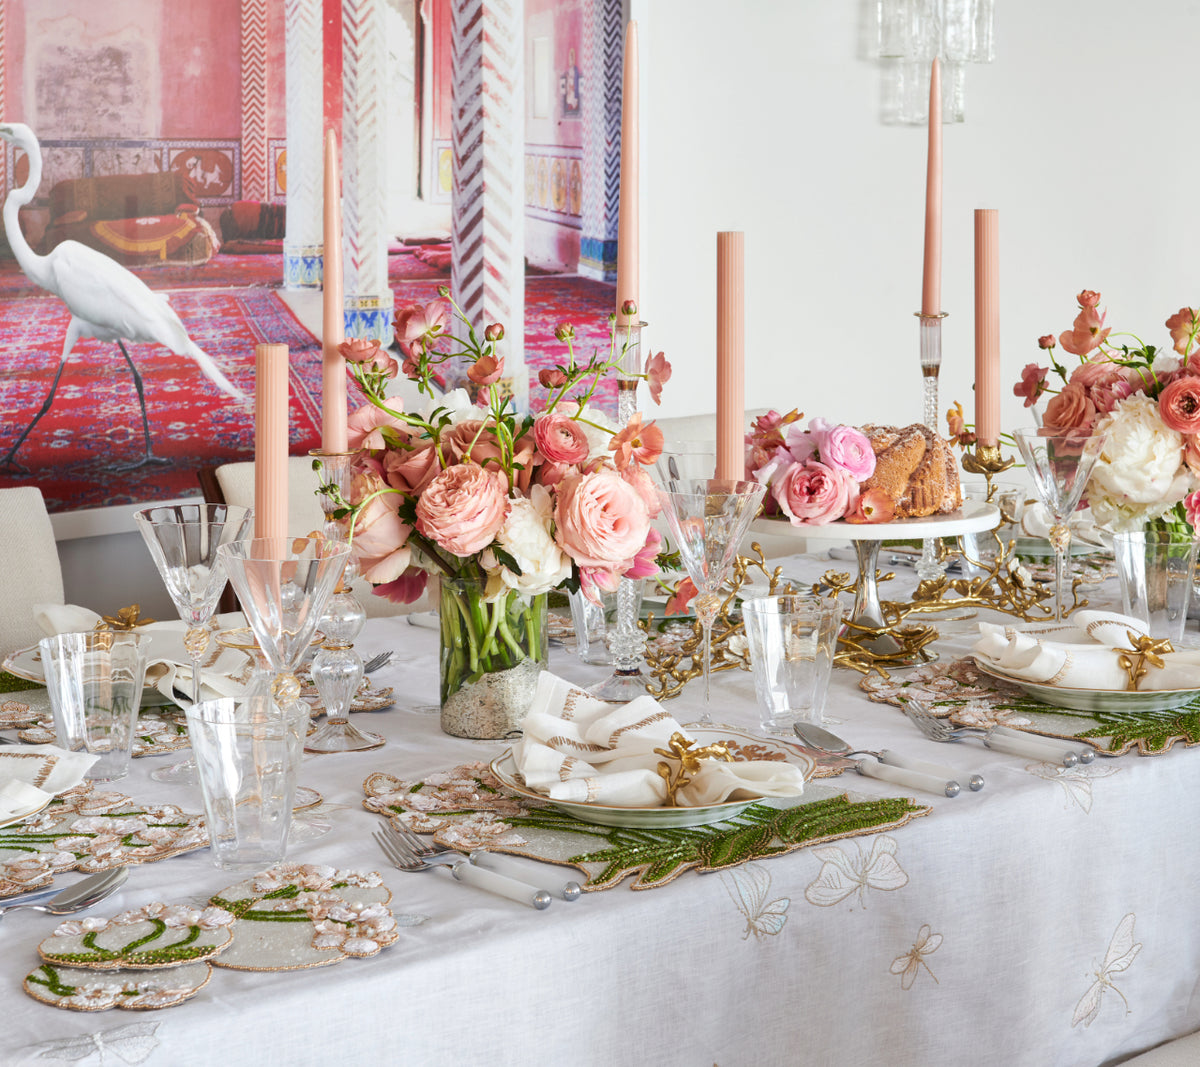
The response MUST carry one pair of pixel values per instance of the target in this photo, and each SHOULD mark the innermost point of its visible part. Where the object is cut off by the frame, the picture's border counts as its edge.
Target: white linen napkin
(1082, 653)
(577, 748)
(225, 672)
(32, 774)
(1036, 521)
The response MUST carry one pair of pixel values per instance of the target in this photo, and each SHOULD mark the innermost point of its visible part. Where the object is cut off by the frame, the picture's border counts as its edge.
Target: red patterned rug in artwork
(94, 424)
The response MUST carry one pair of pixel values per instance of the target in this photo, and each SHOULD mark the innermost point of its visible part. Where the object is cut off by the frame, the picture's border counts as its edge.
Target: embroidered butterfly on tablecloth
(748, 888)
(841, 875)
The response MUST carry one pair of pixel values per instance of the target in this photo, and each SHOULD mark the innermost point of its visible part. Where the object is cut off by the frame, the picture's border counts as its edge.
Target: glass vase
(492, 652)
(1156, 567)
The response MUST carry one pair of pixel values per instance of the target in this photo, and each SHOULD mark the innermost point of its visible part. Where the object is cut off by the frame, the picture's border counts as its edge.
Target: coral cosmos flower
(1032, 383)
(873, 506)
(658, 372)
(637, 443)
(421, 324)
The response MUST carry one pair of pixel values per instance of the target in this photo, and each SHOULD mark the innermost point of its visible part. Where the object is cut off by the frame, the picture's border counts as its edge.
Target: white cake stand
(973, 517)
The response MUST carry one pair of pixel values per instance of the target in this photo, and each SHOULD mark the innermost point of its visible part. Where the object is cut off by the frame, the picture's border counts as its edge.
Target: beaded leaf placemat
(467, 808)
(86, 830)
(959, 691)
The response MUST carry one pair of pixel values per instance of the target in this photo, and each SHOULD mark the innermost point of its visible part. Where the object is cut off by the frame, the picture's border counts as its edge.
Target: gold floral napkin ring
(688, 760)
(1145, 650)
(125, 619)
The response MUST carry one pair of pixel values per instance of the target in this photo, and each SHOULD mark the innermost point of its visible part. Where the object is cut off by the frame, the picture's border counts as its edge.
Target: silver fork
(377, 661)
(1001, 738)
(463, 870)
(506, 865)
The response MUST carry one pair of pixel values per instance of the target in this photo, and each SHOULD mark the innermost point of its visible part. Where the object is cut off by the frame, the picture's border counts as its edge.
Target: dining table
(1047, 919)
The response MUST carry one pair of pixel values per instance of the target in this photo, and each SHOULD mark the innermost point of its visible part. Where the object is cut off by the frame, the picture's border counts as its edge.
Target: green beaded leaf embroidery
(659, 855)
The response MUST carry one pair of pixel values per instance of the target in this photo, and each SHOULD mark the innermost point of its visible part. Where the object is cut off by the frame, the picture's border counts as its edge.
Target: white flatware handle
(927, 783)
(528, 871)
(481, 878)
(1081, 751)
(1027, 748)
(974, 781)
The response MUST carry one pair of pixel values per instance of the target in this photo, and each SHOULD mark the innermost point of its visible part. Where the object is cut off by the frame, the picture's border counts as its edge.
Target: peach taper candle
(987, 326)
(731, 355)
(270, 441)
(931, 288)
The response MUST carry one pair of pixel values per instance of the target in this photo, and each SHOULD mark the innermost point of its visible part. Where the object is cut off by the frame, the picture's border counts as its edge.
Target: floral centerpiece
(1146, 400)
(502, 507)
(813, 475)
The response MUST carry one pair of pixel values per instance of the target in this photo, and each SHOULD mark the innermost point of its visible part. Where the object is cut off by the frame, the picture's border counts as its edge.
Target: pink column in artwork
(270, 441)
(731, 355)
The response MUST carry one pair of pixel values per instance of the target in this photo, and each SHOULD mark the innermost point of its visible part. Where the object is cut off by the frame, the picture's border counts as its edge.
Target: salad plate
(744, 746)
(1106, 700)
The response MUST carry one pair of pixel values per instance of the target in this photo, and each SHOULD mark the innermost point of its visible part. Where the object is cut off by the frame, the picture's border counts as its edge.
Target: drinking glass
(708, 519)
(248, 756)
(792, 641)
(95, 685)
(1155, 569)
(1060, 463)
(183, 541)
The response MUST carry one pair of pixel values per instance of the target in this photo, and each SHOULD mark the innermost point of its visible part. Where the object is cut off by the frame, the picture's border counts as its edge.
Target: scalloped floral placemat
(467, 808)
(88, 831)
(959, 691)
(160, 730)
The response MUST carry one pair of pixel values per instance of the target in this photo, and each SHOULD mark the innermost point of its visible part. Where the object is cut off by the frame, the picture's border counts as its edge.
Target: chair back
(31, 573)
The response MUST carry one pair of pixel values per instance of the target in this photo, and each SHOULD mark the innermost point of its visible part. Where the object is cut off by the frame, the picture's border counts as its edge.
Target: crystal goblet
(708, 518)
(1061, 463)
(183, 540)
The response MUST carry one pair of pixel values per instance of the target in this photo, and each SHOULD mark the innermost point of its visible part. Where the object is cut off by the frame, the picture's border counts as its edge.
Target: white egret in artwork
(106, 301)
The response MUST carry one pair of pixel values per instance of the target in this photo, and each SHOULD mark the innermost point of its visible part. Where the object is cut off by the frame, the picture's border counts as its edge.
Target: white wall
(760, 117)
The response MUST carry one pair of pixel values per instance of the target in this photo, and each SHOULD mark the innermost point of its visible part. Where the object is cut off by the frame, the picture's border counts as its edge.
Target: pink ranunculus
(644, 563)
(1089, 298)
(552, 378)
(463, 508)
(845, 448)
(1047, 340)
(1191, 506)
(1071, 409)
(812, 494)
(560, 439)
(421, 324)
(873, 506)
(1191, 452)
(1184, 326)
(1179, 404)
(379, 539)
(364, 428)
(406, 589)
(658, 372)
(1032, 384)
(486, 370)
(411, 469)
(601, 519)
(1087, 333)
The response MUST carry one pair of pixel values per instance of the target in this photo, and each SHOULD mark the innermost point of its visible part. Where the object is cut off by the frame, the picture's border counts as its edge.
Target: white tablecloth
(978, 934)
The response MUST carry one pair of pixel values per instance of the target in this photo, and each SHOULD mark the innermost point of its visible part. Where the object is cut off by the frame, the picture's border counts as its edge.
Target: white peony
(526, 537)
(1140, 473)
(598, 428)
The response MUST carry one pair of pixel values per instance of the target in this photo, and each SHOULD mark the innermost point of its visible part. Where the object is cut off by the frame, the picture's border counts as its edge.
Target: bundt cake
(915, 468)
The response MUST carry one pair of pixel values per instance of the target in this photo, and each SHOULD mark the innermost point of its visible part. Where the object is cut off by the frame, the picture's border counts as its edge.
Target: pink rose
(560, 439)
(379, 539)
(813, 494)
(601, 520)
(1179, 405)
(845, 448)
(644, 484)
(364, 427)
(411, 469)
(1072, 409)
(463, 508)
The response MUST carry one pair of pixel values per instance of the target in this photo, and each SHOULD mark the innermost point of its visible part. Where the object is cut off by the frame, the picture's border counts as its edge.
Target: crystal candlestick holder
(626, 640)
(337, 669)
(930, 567)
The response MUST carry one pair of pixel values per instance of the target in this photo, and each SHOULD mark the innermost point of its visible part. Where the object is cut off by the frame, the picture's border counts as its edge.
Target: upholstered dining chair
(31, 573)
(233, 483)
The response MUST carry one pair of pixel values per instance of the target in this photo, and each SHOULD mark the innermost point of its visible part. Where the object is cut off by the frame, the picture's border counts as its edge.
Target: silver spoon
(900, 770)
(81, 895)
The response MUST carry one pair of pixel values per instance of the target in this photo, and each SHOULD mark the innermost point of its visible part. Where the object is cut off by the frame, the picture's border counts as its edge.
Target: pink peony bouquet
(473, 490)
(1145, 399)
(813, 475)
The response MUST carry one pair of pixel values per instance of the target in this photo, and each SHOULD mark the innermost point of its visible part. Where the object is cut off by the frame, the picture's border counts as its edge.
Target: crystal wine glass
(708, 518)
(183, 540)
(1061, 463)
